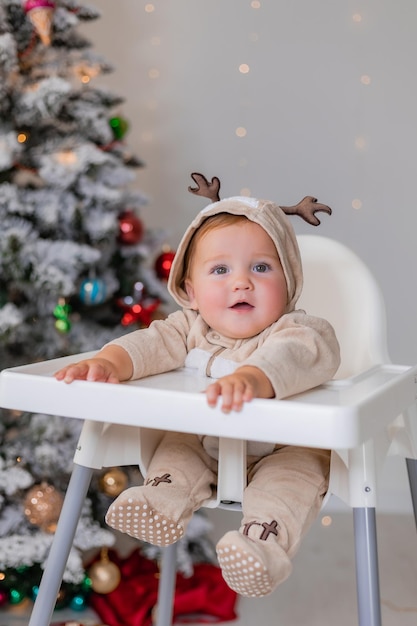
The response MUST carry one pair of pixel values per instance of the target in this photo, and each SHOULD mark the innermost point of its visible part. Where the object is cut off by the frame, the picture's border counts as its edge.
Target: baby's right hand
(94, 370)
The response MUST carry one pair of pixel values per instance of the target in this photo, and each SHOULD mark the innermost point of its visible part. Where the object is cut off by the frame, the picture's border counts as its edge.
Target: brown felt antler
(204, 188)
(306, 208)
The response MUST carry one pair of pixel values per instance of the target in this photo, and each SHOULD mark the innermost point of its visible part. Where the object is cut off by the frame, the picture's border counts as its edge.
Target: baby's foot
(252, 568)
(133, 514)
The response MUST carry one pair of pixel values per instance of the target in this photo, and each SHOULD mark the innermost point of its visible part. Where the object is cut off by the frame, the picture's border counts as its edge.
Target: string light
(152, 104)
(147, 136)
(22, 137)
(154, 73)
(86, 72)
(245, 68)
(66, 157)
(360, 143)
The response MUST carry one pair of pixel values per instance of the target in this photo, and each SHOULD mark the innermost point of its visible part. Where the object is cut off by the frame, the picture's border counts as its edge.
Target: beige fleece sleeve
(161, 347)
(300, 353)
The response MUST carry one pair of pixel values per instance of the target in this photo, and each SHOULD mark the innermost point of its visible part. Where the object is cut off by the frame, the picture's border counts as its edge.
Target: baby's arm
(246, 383)
(111, 365)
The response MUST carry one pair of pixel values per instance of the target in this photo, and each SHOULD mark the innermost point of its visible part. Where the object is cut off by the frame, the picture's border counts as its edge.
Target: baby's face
(236, 280)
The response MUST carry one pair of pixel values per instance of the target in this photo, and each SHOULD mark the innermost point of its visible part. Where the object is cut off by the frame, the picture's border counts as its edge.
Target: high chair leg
(61, 546)
(412, 477)
(166, 587)
(367, 577)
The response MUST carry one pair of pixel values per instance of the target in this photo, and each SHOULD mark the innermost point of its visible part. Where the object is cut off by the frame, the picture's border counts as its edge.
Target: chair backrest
(339, 287)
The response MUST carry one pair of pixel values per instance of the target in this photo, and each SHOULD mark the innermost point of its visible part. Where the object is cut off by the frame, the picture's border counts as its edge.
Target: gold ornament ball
(42, 506)
(105, 576)
(113, 482)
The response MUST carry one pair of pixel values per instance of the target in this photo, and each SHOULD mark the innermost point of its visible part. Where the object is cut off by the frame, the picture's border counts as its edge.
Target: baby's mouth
(242, 306)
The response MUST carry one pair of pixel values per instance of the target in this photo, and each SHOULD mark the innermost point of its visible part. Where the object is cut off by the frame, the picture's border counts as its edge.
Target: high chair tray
(339, 414)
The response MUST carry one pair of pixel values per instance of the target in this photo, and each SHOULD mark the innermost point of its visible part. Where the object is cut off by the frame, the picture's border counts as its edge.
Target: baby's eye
(219, 269)
(261, 267)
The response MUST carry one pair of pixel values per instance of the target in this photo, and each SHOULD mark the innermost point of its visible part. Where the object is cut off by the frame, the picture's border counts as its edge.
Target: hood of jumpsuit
(271, 218)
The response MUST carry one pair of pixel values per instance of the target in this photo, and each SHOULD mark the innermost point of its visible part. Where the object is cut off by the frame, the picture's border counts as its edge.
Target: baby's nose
(242, 282)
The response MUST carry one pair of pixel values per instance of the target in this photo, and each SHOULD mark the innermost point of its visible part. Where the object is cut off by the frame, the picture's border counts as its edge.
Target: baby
(237, 276)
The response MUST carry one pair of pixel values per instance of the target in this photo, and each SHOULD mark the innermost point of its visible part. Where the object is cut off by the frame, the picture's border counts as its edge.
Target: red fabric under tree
(204, 597)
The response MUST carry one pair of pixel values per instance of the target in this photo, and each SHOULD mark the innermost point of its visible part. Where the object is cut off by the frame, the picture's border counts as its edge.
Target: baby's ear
(188, 286)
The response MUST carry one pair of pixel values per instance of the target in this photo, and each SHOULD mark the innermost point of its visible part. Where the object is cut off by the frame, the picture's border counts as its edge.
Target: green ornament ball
(63, 326)
(119, 127)
(61, 313)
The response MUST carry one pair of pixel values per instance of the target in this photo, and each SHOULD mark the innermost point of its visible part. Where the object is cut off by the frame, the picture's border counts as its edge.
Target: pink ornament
(41, 13)
(37, 4)
(4, 598)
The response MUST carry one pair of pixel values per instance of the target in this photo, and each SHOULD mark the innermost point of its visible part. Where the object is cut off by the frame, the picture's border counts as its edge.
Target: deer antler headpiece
(269, 215)
(306, 208)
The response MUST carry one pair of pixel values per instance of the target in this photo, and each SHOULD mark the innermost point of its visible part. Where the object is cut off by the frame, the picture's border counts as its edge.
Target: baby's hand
(242, 386)
(96, 369)
(111, 365)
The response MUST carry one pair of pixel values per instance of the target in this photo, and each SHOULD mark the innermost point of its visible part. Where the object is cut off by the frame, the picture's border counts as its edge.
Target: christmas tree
(74, 269)
(71, 243)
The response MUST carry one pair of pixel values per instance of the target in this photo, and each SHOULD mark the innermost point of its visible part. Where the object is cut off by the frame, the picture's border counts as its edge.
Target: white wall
(313, 124)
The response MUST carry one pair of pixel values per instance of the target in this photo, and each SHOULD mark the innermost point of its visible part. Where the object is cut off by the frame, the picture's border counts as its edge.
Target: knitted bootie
(252, 568)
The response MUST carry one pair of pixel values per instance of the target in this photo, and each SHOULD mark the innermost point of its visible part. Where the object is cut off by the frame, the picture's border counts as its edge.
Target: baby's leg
(180, 477)
(282, 499)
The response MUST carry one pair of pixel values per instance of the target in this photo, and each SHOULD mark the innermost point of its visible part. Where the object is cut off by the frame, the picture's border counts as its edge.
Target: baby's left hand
(243, 385)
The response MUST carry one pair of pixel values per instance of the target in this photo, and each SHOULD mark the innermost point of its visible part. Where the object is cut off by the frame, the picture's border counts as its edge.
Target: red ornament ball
(163, 264)
(130, 228)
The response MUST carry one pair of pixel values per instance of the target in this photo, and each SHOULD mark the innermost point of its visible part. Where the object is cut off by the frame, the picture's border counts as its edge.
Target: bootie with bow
(177, 483)
(252, 562)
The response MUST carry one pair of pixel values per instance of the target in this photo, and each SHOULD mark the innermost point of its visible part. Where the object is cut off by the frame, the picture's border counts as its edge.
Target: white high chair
(367, 413)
